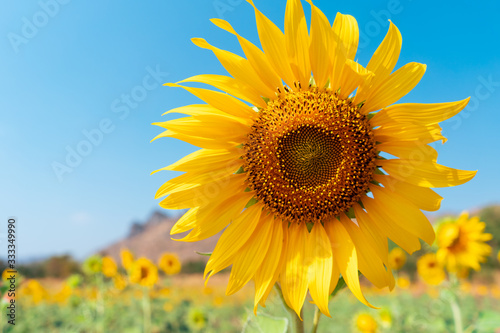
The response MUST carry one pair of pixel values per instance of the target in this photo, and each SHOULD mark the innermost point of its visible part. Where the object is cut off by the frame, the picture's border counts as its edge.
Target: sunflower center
(144, 272)
(310, 155)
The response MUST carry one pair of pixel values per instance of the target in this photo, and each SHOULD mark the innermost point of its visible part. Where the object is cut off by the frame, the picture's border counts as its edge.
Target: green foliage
(265, 323)
(491, 216)
(56, 267)
(193, 267)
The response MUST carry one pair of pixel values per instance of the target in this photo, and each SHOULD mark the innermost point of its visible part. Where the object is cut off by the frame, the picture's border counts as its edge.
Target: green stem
(297, 324)
(146, 310)
(457, 316)
(455, 308)
(99, 304)
(317, 316)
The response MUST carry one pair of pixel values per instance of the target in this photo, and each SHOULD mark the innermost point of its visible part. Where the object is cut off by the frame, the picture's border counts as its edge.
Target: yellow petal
(397, 85)
(386, 56)
(255, 56)
(204, 194)
(212, 219)
(279, 269)
(371, 234)
(234, 87)
(250, 256)
(422, 134)
(426, 174)
(190, 180)
(413, 150)
(321, 45)
(382, 221)
(233, 238)
(369, 263)
(215, 127)
(346, 258)
(422, 197)
(297, 41)
(202, 142)
(382, 63)
(274, 45)
(240, 68)
(319, 250)
(204, 159)
(186, 222)
(207, 110)
(345, 42)
(267, 274)
(221, 101)
(422, 114)
(352, 75)
(295, 277)
(334, 280)
(349, 35)
(204, 200)
(404, 213)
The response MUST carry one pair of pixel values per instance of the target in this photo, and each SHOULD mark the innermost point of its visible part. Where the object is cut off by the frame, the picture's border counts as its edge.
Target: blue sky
(85, 77)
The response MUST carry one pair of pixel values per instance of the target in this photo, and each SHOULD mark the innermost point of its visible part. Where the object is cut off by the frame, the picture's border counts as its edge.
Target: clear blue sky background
(69, 74)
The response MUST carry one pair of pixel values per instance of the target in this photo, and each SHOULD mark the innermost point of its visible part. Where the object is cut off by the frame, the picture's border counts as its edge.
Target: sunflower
(109, 267)
(196, 319)
(397, 258)
(169, 263)
(92, 265)
(297, 167)
(34, 290)
(430, 269)
(119, 282)
(365, 323)
(462, 244)
(127, 258)
(62, 296)
(144, 272)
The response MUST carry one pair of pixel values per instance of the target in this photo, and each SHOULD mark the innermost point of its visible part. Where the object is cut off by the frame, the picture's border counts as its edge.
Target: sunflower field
(137, 295)
(309, 160)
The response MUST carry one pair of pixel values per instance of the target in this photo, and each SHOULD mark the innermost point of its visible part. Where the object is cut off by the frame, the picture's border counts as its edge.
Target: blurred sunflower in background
(127, 258)
(289, 160)
(92, 265)
(143, 272)
(430, 270)
(196, 319)
(365, 323)
(462, 244)
(119, 282)
(109, 267)
(397, 258)
(170, 263)
(34, 291)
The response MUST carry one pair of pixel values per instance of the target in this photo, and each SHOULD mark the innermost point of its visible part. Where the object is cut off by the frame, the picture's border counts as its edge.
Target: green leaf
(208, 254)
(488, 321)
(252, 202)
(263, 323)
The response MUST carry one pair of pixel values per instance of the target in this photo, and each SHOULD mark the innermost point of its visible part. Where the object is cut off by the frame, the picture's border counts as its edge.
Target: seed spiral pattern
(310, 155)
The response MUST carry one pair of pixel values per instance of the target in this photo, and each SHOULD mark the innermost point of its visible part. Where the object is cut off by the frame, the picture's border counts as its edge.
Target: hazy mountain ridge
(152, 238)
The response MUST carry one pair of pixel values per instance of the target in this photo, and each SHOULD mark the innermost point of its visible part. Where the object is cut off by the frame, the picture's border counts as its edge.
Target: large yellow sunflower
(291, 163)
(462, 243)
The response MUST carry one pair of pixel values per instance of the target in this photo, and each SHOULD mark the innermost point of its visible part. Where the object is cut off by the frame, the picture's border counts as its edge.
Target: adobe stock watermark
(31, 26)
(380, 20)
(223, 6)
(121, 107)
(483, 91)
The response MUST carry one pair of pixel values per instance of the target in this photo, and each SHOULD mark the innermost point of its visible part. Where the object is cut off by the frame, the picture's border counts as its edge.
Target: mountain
(152, 238)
